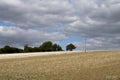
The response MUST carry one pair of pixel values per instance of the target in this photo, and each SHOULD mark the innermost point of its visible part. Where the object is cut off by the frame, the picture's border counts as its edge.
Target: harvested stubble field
(97, 65)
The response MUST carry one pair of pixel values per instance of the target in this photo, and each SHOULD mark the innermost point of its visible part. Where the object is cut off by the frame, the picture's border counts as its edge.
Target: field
(97, 65)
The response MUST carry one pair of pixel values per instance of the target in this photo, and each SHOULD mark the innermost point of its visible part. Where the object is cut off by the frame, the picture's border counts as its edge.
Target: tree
(49, 46)
(8, 49)
(0, 51)
(35, 49)
(70, 47)
(46, 46)
(27, 48)
(56, 47)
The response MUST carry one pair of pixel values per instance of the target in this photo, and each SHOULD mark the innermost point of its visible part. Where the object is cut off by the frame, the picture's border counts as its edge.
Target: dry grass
(101, 65)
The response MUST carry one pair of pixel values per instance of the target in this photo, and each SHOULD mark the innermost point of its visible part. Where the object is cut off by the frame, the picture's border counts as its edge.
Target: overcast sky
(60, 21)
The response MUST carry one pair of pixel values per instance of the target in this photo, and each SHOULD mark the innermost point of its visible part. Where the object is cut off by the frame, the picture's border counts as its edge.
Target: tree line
(47, 46)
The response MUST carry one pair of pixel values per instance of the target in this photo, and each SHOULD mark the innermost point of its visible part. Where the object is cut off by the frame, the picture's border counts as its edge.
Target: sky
(33, 22)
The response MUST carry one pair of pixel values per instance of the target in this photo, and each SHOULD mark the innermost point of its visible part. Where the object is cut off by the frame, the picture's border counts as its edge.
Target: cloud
(38, 20)
(18, 37)
(36, 13)
(99, 22)
(99, 44)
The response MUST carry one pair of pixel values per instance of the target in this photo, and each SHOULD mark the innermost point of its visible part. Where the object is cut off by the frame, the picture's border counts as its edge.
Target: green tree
(56, 47)
(8, 49)
(70, 47)
(35, 49)
(46, 46)
(27, 48)
(0, 51)
(59, 48)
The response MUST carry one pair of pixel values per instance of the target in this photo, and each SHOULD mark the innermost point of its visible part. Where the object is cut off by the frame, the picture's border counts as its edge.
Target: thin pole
(85, 46)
